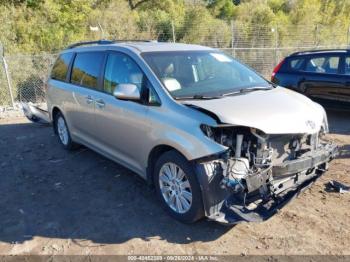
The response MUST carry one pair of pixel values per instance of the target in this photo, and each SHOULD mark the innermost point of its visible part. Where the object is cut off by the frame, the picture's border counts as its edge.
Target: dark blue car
(322, 75)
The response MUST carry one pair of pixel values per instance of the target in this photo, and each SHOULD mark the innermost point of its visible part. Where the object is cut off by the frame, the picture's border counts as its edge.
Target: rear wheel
(62, 131)
(177, 187)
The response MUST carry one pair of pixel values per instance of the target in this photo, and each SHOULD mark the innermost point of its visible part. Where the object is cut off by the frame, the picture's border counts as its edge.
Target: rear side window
(60, 68)
(323, 64)
(86, 69)
(347, 65)
(296, 63)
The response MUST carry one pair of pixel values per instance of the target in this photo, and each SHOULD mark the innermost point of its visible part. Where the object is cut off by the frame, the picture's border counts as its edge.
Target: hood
(275, 111)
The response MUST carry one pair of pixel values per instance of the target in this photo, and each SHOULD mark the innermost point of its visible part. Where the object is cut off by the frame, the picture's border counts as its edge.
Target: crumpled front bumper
(286, 182)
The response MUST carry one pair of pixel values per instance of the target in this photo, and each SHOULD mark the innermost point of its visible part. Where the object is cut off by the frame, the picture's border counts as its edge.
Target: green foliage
(31, 26)
(29, 3)
(117, 21)
(224, 9)
(199, 26)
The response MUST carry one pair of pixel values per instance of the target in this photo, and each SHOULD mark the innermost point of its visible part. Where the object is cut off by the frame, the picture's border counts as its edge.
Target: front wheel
(177, 187)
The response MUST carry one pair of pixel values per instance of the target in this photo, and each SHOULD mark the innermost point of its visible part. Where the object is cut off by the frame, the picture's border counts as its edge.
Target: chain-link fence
(260, 47)
(24, 80)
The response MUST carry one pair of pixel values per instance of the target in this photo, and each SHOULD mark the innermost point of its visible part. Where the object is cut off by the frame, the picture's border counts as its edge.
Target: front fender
(192, 146)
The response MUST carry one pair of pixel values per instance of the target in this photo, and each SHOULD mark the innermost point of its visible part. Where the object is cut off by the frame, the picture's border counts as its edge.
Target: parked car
(322, 75)
(213, 137)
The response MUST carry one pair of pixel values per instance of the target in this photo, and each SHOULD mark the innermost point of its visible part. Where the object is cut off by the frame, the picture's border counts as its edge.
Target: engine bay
(252, 156)
(258, 171)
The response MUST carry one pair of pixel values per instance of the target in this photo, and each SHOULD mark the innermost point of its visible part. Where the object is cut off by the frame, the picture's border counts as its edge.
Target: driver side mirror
(127, 92)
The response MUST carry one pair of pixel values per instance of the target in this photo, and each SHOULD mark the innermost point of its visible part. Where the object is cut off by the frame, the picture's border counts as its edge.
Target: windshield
(195, 74)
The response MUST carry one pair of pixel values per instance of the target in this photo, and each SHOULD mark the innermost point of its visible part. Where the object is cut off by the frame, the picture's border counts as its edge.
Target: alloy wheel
(62, 130)
(175, 188)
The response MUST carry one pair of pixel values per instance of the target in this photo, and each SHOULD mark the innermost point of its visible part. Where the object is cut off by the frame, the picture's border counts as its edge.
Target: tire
(64, 136)
(174, 193)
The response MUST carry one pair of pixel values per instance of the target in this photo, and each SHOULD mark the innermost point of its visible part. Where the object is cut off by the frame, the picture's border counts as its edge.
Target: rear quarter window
(296, 64)
(60, 68)
(347, 66)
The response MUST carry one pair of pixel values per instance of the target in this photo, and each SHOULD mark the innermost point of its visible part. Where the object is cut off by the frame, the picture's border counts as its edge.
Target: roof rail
(319, 50)
(98, 42)
(135, 40)
(105, 42)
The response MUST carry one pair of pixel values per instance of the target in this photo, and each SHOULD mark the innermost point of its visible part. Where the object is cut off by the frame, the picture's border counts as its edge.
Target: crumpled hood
(276, 111)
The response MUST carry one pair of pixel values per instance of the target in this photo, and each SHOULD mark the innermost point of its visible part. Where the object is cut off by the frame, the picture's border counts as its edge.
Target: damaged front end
(259, 173)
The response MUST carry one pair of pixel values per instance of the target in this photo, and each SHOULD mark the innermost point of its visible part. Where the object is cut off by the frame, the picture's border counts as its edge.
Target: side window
(324, 64)
(121, 69)
(295, 64)
(60, 68)
(347, 66)
(86, 69)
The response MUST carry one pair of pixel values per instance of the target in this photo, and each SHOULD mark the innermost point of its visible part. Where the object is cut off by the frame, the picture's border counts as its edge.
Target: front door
(122, 125)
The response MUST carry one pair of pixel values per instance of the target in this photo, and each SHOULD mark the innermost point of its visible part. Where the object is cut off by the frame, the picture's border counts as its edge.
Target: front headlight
(207, 130)
(325, 124)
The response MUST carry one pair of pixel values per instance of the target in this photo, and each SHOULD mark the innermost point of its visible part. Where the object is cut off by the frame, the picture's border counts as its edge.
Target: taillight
(277, 68)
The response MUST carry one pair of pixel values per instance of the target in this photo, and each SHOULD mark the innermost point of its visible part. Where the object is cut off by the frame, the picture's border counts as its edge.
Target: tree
(117, 21)
(223, 9)
(133, 5)
(29, 3)
(201, 28)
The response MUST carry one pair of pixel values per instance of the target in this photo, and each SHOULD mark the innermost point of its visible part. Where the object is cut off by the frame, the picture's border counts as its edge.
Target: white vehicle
(215, 138)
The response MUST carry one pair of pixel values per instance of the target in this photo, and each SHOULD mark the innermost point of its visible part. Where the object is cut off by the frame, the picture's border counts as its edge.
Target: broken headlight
(207, 130)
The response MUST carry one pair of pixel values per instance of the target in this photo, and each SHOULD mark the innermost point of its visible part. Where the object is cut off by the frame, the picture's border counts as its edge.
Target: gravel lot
(58, 202)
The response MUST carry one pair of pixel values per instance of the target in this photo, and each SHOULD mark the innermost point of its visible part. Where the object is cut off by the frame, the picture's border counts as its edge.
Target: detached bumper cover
(233, 212)
(225, 207)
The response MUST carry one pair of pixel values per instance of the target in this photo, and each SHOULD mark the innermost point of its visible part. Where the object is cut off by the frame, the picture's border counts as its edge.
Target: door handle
(100, 103)
(89, 100)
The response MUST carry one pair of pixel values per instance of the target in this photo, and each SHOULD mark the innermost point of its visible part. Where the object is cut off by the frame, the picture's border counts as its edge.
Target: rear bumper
(280, 185)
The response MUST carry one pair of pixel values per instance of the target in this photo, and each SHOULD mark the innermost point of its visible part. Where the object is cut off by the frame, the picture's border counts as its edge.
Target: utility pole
(233, 38)
(98, 28)
(316, 35)
(102, 31)
(2, 54)
(173, 30)
(275, 31)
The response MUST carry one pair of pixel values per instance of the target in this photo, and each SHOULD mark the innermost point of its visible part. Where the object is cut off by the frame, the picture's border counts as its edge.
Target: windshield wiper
(240, 91)
(198, 97)
(249, 89)
(257, 88)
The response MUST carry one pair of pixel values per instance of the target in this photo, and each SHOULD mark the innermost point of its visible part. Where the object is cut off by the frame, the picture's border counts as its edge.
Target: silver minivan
(212, 136)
